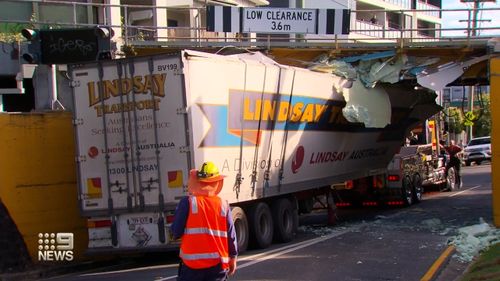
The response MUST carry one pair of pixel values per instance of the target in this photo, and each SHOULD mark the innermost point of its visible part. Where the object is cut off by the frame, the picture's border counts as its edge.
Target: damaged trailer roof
(412, 62)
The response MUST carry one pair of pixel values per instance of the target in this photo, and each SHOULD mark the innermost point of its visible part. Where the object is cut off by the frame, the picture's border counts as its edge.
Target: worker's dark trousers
(214, 273)
(455, 162)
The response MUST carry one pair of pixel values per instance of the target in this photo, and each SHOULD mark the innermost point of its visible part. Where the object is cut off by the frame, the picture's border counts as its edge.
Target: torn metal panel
(437, 78)
(416, 65)
(338, 68)
(389, 71)
(370, 69)
(257, 56)
(372, 56)
(442, 77)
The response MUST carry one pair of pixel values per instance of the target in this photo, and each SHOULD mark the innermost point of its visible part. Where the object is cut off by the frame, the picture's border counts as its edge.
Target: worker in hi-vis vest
(204, 223)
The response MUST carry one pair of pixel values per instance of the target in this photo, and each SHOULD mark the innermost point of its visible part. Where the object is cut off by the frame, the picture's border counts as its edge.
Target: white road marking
(284, 250)
(469, 189)
(257, 258)
(129, 270)
(166, 278)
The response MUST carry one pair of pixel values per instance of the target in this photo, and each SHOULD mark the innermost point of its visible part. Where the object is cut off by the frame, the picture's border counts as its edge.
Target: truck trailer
(278, 133)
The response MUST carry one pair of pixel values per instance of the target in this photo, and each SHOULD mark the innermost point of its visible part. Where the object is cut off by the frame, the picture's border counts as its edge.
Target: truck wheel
(241, 228)
(406, 191)
(284, 220)
(451, 179)
(261, 225)
(418, 189)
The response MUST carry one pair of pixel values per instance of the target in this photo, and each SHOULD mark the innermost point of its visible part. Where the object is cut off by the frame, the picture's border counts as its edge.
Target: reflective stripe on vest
(205, 230)
(224, 209)
(200, 256)
(194, 205)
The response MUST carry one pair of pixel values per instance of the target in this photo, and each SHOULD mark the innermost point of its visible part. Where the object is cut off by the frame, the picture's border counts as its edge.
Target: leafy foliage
(455, 119)
(10, 32)
(482, 126)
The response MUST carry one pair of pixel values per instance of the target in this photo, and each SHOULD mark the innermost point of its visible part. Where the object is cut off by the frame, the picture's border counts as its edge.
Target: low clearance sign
(278, 20)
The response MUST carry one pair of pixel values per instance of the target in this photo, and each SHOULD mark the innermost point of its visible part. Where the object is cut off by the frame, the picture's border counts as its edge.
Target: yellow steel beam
(495, 136)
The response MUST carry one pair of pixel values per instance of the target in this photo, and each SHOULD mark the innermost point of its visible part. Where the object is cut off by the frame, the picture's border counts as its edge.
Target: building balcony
(406, 4)
(375, 30)
(390, 32)
(429, 10)
(386, 4)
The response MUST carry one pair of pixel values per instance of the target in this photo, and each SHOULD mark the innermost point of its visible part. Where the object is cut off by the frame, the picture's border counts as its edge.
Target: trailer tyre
(241, 227)
(261, 225)
(418, 189)
(406, 191)
(284, 220)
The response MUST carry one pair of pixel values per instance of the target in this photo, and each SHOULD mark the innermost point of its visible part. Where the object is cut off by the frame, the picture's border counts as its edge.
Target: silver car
(477, 150)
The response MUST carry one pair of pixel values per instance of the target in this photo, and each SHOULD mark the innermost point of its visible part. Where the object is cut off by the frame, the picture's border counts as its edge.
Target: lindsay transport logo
(140, 86)
(248, 114)
(55, 246)
(298, 159)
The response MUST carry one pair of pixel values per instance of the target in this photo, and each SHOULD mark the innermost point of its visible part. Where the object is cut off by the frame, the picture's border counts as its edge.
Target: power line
(477, 7)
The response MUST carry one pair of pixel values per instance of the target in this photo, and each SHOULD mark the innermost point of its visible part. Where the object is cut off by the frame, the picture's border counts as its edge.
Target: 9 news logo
(55, 246)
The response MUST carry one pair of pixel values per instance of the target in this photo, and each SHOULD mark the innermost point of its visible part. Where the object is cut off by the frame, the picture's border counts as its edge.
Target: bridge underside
(438, 54)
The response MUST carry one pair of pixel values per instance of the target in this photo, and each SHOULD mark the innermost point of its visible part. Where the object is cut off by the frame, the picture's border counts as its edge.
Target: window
(62, 13)
(446, 95)
(172, 23)
(480, 141)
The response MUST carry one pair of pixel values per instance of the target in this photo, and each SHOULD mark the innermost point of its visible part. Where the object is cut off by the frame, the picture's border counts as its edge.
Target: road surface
(367, 244)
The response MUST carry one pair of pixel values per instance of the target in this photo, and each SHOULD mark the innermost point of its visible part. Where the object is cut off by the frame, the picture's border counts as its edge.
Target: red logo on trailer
(298, 159)
(93, 152)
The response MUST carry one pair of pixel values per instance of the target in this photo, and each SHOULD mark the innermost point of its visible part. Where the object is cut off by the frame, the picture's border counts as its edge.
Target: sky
(451, 19)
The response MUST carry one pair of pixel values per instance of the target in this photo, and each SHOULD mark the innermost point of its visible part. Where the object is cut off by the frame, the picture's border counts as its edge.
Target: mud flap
(332, 209)
(114, 232)
(161, 229)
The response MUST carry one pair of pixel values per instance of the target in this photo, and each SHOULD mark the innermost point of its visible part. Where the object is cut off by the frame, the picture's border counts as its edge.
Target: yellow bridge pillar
(495, 136)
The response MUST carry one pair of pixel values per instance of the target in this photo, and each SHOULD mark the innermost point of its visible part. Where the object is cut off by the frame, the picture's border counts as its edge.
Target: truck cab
(402, 183)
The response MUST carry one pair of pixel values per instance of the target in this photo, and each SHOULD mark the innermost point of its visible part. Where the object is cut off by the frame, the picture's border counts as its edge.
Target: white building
(182, 23)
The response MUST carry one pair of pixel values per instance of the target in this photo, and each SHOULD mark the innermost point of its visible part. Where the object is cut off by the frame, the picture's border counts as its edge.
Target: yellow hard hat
(209, 173)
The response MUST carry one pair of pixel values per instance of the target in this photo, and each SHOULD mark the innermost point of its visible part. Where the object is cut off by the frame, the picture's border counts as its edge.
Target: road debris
(471, 240)
(433, 224)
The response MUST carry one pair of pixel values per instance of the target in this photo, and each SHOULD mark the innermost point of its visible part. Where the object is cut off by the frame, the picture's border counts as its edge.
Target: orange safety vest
(204, 243)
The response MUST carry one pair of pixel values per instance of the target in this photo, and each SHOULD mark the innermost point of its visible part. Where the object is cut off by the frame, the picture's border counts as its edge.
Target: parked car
(477, 150)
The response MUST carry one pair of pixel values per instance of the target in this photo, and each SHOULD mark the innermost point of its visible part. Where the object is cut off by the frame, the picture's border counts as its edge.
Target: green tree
(455, 119)
(10, 32)
(482, 125)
